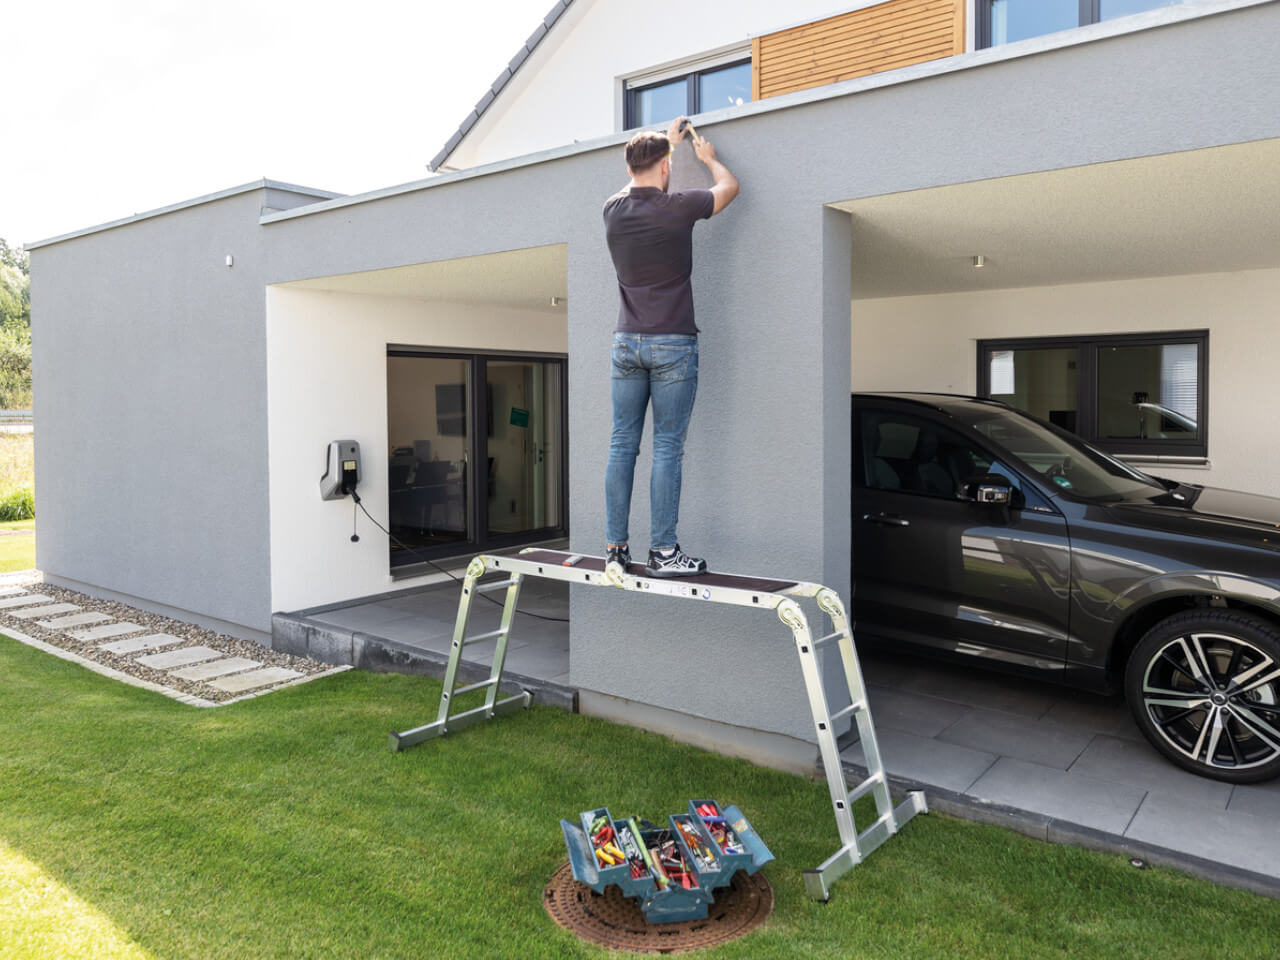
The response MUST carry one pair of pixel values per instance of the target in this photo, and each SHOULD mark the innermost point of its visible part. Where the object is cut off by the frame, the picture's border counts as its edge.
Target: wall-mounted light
(559, 301)
(230, 260)
(979, 261)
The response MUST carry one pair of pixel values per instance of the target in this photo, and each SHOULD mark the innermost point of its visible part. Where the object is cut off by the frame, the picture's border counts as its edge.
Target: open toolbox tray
(673, 870)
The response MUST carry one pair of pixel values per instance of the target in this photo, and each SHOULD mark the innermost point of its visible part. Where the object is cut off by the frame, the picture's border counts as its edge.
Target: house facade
(937, 195)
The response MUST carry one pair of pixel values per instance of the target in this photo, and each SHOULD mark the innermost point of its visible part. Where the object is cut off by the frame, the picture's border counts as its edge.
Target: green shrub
(19, 505)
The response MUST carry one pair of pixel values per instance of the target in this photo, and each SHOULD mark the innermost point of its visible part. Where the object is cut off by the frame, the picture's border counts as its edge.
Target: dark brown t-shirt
(650, 234)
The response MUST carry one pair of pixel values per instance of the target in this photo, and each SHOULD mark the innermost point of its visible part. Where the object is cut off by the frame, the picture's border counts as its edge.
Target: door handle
(886, 519)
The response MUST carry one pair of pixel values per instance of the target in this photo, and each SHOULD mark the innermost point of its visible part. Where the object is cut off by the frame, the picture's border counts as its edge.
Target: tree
(15, 327)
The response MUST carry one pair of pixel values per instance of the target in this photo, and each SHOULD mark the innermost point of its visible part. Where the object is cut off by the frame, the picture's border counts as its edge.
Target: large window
(1144, 394)
(1005, 21)
(477, 452)
(698, 91)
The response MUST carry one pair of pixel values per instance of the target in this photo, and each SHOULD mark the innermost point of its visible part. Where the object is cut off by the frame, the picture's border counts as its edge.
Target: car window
(1070, 464)
(916, 455)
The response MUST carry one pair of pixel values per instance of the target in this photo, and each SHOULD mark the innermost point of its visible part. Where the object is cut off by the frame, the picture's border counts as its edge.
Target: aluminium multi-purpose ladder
(777, 595)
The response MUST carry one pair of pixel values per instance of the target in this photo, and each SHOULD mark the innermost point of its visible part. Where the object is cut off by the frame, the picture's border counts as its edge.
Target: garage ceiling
(524, 279)
(1202, 211)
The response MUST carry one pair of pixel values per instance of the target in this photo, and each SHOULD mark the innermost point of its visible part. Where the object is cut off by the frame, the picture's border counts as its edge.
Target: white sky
(115, 107)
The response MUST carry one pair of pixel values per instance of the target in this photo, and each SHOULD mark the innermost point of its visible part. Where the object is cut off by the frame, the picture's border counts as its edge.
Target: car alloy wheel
(1204, 688)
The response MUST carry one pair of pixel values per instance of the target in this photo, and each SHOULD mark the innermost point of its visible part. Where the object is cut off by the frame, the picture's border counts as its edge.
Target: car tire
(1204, 688)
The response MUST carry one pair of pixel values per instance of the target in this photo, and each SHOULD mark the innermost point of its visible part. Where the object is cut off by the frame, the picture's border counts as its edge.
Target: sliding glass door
(477, 452)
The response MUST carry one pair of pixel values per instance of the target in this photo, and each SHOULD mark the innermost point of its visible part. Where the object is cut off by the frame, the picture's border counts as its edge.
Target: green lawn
(18, 549)
(133, 826)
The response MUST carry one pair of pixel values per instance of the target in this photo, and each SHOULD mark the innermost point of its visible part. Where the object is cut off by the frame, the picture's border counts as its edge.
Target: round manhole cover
(611, 919)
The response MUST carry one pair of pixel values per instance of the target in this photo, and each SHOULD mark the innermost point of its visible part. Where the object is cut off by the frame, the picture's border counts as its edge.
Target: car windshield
(1060, 458)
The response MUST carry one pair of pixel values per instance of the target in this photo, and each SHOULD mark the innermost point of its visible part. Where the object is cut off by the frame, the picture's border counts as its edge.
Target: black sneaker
(676, 563)
(620, 555)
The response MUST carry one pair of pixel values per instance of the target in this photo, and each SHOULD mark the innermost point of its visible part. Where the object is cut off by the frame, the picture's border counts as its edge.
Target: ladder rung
(475, 686)
(481, 637)
(854, 707)
(865, 787)
(496, 585)
(823, 641)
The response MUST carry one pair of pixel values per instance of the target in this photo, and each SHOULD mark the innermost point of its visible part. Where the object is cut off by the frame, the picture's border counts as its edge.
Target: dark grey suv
(982, 533)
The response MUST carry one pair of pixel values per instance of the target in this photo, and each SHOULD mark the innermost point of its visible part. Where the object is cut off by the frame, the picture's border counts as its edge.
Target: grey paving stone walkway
(197, 663)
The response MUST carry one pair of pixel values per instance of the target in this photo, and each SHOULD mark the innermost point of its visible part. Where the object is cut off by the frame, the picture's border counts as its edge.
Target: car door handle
(886, 519)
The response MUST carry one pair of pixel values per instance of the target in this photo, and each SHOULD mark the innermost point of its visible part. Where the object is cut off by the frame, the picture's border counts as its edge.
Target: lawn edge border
(1041, 826)
(188, 699)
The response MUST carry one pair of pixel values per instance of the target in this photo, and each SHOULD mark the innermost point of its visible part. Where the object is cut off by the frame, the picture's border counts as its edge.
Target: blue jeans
(662, 369)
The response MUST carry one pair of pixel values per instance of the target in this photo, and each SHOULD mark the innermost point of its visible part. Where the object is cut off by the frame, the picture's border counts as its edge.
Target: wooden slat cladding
(871, 40)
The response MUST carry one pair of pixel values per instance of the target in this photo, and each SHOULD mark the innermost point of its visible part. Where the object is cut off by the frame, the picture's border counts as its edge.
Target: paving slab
(75, 620)
(134, 644)
(105, 631)
(1139, 765)
(179, 658)
(24, 599)
(1100, 804)
(30, 613)
(10, 591)
(925, 760)
(1224, 836)
(912, 712)
(215, 668)
(968, 687)
(1257, 799)
(1037, 741)
(240, 682)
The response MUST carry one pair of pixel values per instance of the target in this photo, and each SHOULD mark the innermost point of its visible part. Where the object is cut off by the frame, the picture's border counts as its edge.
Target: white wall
(595, 44)
(327, 380)
(929, 343)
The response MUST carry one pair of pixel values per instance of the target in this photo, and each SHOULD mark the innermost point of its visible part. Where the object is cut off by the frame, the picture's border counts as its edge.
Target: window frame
(692, 106)
(1087, 347)
(1090, 12)
(477, 518)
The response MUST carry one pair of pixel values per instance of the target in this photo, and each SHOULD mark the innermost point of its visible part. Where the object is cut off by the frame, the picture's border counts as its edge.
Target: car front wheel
(1204, 688)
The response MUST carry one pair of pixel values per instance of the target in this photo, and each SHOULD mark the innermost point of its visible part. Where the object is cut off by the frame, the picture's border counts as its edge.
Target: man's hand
(725, 187)
(677, 130)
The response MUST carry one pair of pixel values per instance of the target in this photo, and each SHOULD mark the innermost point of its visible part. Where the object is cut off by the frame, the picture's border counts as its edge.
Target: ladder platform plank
(596, 564)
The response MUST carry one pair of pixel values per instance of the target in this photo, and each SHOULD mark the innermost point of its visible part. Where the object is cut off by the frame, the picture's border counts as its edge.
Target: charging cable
(404, 546)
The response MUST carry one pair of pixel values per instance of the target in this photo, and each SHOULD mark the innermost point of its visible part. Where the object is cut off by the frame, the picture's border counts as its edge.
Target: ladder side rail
(793, 616)
(459, 641)
(830, 603)
(504, 635)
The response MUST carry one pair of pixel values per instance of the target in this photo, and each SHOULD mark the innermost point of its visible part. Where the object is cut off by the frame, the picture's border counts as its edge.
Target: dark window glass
(727, 87)
(1110, 9)
(1013, 20)
(901, 452)
(1148, 392)
(659, 104)
(1042, 381)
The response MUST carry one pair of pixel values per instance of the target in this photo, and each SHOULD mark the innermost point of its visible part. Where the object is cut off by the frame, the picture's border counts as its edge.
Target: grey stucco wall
(150, 392)
(766, 471)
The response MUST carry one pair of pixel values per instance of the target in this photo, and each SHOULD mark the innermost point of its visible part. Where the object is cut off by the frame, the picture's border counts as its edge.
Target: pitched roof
(502, 80)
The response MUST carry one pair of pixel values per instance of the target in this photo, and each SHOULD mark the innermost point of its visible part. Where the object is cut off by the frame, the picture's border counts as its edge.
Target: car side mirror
(990, 488)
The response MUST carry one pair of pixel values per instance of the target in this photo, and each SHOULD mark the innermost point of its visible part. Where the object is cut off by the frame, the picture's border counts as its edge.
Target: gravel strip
(190, 634)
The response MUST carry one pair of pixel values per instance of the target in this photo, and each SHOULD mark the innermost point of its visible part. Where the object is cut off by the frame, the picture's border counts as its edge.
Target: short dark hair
(645, 149)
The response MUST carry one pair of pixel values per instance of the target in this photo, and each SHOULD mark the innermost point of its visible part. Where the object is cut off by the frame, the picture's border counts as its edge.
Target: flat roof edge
(1066, 39)
(263, 184)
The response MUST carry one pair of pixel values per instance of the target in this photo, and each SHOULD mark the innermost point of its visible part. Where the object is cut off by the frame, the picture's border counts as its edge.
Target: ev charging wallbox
(341, 470)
